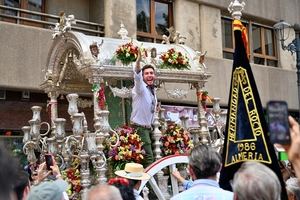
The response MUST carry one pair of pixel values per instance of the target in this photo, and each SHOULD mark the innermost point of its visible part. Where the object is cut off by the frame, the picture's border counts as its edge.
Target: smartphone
(278, 122)
(49, 161)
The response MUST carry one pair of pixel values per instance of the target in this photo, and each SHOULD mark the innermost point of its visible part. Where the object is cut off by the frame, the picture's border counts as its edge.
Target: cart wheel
(154, 168)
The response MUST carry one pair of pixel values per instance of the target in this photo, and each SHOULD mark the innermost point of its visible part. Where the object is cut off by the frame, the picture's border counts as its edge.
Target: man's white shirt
(143, 102)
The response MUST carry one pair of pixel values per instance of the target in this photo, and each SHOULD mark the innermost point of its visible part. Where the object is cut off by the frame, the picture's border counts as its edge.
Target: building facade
(25, 38)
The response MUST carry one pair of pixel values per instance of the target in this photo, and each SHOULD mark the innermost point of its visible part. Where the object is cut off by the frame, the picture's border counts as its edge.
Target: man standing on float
(143, 106)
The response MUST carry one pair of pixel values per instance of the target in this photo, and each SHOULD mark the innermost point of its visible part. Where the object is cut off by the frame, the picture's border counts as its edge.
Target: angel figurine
(199, 60)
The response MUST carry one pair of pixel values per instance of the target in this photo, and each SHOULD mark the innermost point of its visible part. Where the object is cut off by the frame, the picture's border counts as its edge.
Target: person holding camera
(293, 149)
(45, 188)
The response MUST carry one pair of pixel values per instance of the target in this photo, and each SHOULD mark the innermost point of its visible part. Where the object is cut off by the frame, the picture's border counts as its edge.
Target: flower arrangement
(129, 148)
(127, 53)
(175, 140)
(72, 176)
(174, 59)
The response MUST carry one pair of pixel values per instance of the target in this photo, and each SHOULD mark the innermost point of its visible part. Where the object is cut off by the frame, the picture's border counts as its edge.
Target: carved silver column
(34, 140)
(204, 132)
(72, 99)
(164, 125)
(52, 146)
(218, 142)
(95, 90)
(184, 120)
(99, 134)
(60, 132)
(157, 151)
(29, 145)
(53, 107)
(84, 172)
(77, 119)
(102, 132)
(195, 132)
(217, 111)
(156, 137)
(34, 130)
(36, 110)
(27, 136)
(28, 150)
(97, 158)
(105, 127)
(216, 107)
(99, 163)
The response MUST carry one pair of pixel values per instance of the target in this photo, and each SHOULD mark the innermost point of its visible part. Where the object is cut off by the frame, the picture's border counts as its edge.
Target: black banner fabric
(246, 137)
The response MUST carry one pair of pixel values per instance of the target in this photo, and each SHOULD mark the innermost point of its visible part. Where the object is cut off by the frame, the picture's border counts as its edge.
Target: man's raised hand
(138, 61)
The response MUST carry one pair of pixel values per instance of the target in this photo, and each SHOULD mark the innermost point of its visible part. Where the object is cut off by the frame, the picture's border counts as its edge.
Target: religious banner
(246, 137)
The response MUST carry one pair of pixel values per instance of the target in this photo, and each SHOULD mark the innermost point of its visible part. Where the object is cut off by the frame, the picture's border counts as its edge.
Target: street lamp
(292, 47)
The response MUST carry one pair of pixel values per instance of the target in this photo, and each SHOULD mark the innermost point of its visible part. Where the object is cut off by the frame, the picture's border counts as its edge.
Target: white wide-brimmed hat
(133, 171)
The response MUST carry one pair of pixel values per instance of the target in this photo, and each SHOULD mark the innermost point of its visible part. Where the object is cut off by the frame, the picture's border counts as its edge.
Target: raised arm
(138, 62)
(293, 149)
(138, 78)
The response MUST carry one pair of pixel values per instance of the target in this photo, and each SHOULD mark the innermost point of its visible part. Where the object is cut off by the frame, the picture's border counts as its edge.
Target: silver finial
(236, 8)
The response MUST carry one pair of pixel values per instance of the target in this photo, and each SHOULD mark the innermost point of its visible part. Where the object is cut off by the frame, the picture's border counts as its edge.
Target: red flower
(127, 53)
(8, 133)
(174, 59)
(77, 188)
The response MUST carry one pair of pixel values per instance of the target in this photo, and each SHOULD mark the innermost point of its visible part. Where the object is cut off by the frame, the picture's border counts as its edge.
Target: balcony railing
(47, 21)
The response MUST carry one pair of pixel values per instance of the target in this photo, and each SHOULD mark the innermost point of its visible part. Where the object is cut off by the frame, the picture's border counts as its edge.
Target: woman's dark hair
(125, 188)
(9, 167)
(132, 182)
(21, 183)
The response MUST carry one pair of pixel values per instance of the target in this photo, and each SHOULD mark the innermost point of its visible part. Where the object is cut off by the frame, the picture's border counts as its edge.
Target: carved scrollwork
(84, 103)
(64, 25)
(174, 37)
(177, 93)
(83, 61)
(121, 92)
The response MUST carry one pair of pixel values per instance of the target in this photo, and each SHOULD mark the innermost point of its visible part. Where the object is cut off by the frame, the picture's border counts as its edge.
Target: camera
(49, 161)
(278, 123)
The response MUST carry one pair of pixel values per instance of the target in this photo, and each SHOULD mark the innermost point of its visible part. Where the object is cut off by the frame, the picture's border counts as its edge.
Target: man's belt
(143, 126)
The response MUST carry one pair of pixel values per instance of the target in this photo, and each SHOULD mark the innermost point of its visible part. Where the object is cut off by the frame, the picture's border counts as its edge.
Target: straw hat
(133, 171)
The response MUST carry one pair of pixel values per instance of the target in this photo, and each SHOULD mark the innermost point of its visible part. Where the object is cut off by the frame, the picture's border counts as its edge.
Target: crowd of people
(253, 180)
